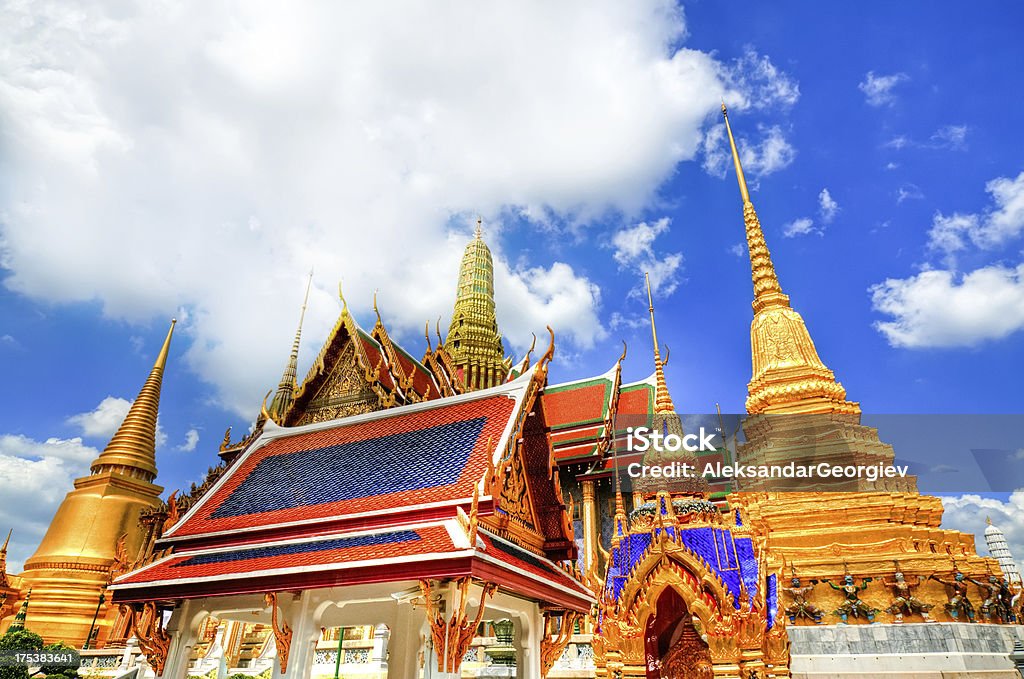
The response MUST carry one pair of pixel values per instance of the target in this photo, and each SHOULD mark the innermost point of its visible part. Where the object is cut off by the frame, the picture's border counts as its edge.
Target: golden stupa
(97, 526)
(798, 411)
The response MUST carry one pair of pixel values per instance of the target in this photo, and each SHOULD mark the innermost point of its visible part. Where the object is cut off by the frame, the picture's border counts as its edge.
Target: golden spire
(788, 375)
(479, 228)
(767, 291)
(134, 445)
(3, 550)
(473, 341)
(286, 387)
(662, 399)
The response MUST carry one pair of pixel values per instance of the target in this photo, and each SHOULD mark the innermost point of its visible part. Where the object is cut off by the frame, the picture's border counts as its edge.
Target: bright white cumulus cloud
(634, 249)
(939, 308)
(967, 513)
(102, 422)
(203, 156)
(34, 476)
(999, 223)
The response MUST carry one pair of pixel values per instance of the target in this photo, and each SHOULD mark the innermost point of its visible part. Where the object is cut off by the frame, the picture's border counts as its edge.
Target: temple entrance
(673, 648)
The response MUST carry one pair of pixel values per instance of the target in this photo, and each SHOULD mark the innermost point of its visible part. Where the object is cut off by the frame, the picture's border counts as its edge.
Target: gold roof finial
(744, 193)
(134, 444)
(988, 520)
(662, 399)
(479, 227)
(3, 550)
(341, 296)
(286, 387)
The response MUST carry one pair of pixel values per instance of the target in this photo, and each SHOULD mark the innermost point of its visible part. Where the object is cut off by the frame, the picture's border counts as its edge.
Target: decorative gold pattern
(473, 341)
(554, 642)
(147, 626)
(453, 637)
(282, 632)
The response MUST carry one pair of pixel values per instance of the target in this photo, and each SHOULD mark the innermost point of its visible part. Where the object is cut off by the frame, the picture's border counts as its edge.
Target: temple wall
(909, 651)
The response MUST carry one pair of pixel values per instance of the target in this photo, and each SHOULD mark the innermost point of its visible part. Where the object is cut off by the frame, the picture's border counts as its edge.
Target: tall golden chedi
(799, 412)
(473, 340)
(97, 524)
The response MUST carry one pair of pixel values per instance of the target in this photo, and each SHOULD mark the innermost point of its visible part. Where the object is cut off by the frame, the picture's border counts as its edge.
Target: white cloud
(738, 250)
(799, 227)
(102, 421)
(967, 513)
(183, 141)
(34, 477)
(908, 192)
(950, 137)
(998, 223)
(940, 308)
(761, 84)
(634, 249)
(828, 208)
(770, 154)
(878, 89)
(191, 441)
(554, 296)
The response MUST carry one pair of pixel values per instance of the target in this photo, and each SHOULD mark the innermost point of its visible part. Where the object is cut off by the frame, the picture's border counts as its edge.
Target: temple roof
(401, 459)
(415, 491)
(424, 550)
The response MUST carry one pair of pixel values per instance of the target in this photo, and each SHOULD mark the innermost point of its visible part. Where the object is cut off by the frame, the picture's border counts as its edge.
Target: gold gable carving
(344, 392)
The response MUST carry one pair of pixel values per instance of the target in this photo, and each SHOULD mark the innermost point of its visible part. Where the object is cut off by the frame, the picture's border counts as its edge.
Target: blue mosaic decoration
(732, 559)
(303, 548)
(772, 598)
(415, 460)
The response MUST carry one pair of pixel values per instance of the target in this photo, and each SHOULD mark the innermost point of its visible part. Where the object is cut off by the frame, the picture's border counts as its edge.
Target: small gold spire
(479, 227)
(3, 550)
(744, 193)
(662, 399)
(767, 291)
(988, 520)
(287, 386)
(134, 444)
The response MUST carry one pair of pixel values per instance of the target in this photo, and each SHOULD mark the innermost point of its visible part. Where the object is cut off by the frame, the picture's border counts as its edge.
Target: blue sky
(153, 165)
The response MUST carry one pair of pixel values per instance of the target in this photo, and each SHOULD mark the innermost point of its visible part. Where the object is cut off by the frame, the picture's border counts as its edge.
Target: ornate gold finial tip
(725, 111)
(173, 321)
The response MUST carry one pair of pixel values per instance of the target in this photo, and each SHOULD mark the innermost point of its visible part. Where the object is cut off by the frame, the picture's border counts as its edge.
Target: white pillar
(531, 633)
(183, 638)
(405, 643)
(305, 632)
(379, 655)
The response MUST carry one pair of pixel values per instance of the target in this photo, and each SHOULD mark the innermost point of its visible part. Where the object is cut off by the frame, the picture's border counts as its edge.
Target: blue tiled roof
(302, 548)
(427, 458)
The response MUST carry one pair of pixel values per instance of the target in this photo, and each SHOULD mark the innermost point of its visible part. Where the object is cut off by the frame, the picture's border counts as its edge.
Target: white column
(304, 635)
(183, 638)
(530, 628)
(405, 643)
(379, 655)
